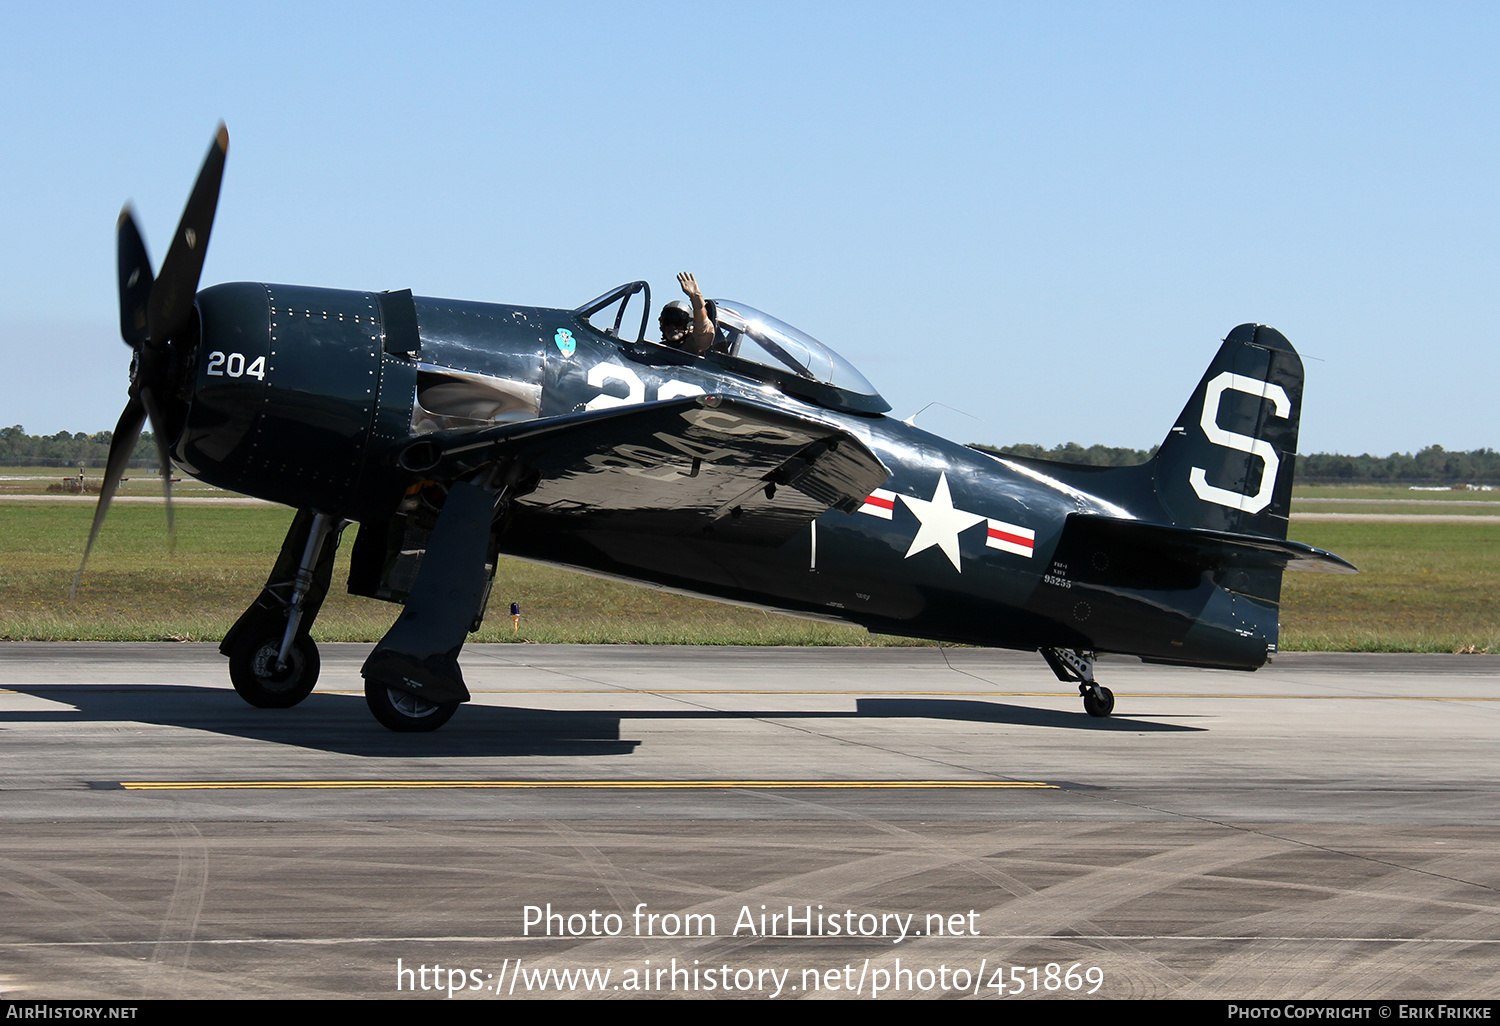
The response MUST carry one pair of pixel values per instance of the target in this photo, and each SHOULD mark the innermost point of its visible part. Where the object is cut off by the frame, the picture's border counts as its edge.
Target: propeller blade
(120, 448)
(135, 279)
(164, 460)
(177, 285)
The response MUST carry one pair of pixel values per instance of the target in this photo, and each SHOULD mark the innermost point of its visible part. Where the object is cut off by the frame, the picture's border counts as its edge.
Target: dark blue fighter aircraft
(763, 471)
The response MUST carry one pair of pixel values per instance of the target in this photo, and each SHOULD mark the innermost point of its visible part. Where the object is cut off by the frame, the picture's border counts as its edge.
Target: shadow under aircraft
(333, 724)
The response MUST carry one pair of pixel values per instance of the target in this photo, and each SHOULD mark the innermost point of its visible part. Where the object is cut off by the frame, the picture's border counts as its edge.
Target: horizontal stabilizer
(1208, 549)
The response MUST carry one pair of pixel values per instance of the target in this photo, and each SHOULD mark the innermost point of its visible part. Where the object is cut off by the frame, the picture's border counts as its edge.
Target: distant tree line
(67, 449)
(1433, 465)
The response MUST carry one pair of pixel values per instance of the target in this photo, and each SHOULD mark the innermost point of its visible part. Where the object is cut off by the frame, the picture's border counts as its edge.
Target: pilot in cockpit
(690, 329)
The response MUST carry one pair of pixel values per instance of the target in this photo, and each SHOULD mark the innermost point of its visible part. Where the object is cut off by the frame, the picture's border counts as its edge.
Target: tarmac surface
(1327, 827)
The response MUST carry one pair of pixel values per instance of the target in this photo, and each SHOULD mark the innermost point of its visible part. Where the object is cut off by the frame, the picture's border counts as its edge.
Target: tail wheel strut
(1073, 665)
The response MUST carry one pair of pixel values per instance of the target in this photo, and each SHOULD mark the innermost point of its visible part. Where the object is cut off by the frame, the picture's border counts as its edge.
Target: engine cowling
(293, 394)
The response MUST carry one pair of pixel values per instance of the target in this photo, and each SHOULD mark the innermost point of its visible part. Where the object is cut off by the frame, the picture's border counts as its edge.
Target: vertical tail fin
(1227, 463)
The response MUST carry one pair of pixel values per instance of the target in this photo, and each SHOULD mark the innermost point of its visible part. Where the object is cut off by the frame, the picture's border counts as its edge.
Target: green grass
(134, 589)
(1392, 499)
(1424, 587)
(1314, 492)
(1421, 588)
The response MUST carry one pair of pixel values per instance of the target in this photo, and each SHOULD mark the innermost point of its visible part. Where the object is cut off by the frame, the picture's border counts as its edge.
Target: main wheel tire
(403, 711)
(1098, 701)
(252, 669)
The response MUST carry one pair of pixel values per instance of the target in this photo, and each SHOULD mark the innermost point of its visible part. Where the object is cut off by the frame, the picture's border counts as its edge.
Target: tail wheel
(253, 670)
(403, 711)
(1098, 700)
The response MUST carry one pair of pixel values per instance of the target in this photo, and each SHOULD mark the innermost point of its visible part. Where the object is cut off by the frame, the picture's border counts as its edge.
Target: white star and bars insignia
(940, 523)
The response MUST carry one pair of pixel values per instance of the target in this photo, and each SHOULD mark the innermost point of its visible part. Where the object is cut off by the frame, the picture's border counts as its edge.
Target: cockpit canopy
(797, 360)
(756, 345)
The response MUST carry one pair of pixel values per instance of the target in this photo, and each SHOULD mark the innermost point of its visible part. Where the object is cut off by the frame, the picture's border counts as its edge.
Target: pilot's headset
(676, 314)
(679, 313)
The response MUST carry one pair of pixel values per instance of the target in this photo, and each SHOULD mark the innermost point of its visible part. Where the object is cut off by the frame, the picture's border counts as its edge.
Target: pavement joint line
(624, 785)
(622, 691)
(1266, 832)
(1018, 937)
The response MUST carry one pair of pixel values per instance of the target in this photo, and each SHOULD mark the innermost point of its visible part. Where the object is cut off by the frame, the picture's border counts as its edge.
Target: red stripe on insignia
(1014, 539)
(876, 500)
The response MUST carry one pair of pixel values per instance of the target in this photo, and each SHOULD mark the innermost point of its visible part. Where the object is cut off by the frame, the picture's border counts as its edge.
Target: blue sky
(1044, 215)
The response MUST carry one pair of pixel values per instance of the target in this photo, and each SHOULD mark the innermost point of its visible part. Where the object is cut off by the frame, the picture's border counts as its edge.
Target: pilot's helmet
(676, 314)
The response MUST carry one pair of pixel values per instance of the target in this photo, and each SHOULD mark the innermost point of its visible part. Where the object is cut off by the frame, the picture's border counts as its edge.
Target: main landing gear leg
(412, 679)
(272, 659)
(1074, 665)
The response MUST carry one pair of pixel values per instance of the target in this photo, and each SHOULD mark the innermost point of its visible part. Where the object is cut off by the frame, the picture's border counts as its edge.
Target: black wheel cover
(252, 669)
(404, 712)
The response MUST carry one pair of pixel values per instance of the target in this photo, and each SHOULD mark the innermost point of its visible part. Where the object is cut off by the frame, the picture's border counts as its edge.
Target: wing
(728, 467)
